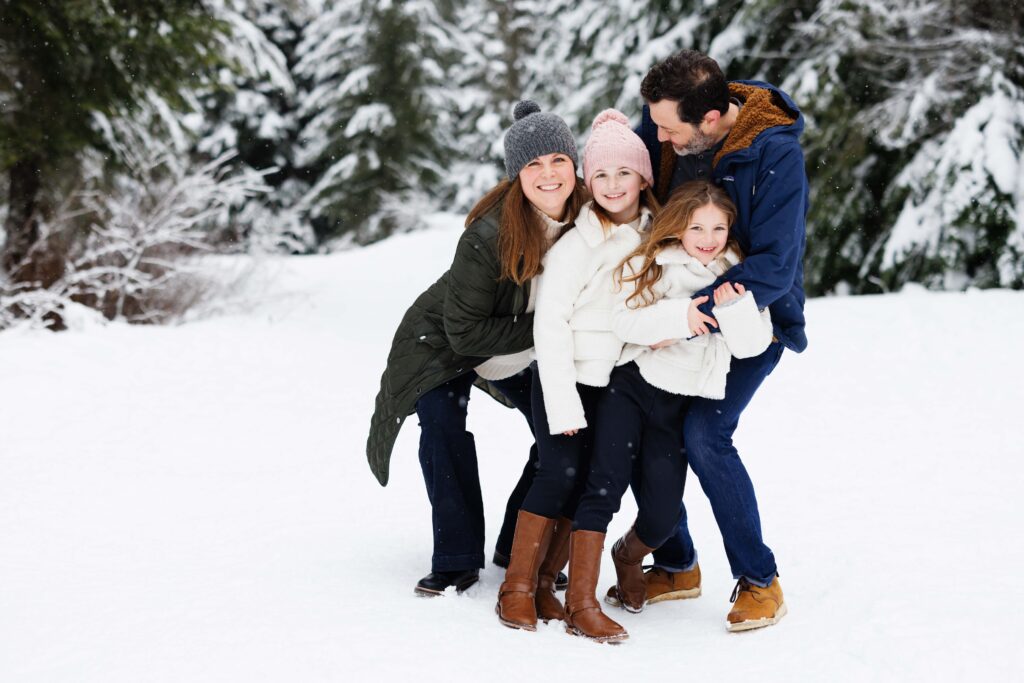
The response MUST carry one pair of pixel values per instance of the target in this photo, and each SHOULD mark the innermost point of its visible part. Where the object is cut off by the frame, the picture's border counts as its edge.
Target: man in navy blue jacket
(745, 136)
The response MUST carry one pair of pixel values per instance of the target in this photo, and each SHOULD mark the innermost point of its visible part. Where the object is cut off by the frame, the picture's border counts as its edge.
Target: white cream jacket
(695, 367)
(572, 327)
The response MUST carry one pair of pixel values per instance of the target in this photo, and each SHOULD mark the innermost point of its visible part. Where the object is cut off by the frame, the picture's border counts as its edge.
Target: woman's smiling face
(548, 181)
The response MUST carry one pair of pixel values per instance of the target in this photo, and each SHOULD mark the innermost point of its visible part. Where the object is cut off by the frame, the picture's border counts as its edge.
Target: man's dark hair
(690, 78)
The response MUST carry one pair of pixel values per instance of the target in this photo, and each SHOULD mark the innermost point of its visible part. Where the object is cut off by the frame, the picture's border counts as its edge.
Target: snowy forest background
(136, 136)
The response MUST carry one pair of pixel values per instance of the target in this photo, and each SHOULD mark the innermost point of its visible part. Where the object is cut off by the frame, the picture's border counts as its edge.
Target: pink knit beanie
(613, 143)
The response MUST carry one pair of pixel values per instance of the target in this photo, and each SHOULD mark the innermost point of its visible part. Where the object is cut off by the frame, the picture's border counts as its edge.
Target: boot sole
(460, 588)
(664, 597)
(512, 624)
(615, 602)
(684, 594)
(751, 624)
(611, 640)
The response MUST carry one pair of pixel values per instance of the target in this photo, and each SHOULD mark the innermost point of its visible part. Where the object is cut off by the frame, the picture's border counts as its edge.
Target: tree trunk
(21, 226)
(511, 33)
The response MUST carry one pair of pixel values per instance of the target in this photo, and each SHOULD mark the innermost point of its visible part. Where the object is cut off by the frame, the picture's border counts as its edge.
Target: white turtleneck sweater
(503, 367)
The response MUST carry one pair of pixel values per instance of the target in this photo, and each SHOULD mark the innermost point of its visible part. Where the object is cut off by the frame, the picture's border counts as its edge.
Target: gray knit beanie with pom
(535, 134)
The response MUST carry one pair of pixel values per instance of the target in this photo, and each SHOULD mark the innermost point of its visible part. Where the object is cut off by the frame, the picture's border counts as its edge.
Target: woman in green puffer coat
(475, 326)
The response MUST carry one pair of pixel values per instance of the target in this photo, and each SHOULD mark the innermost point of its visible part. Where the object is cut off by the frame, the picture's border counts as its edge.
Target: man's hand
(663, 343)
(570, 432)
(726, 293)
(697, 321)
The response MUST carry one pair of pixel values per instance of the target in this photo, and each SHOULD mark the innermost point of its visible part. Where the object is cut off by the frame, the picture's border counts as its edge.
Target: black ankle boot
(435, 583)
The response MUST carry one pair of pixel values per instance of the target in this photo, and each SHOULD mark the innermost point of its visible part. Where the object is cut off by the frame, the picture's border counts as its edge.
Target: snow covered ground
(193, 503)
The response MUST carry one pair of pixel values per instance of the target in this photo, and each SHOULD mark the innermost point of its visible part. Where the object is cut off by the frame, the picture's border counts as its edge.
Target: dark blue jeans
(564, 460)
(707, 432)
(448, 458)
(637, 437)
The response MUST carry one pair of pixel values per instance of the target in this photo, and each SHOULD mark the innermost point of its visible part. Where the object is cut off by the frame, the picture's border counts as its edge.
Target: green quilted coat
(464, 318)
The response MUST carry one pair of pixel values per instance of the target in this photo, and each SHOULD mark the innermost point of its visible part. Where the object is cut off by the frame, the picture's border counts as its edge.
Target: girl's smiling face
(617, 190)
(547, 182)
(706, 234)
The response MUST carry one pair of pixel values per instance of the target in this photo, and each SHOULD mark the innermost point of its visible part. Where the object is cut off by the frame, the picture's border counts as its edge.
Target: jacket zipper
(518, 302)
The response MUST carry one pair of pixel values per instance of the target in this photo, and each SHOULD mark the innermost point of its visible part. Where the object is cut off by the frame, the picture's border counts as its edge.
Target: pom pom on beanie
(525, 108)
(609, 115)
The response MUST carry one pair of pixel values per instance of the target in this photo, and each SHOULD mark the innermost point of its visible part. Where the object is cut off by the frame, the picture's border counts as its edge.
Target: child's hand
(663, 343)
(726, 293)
(696, 320)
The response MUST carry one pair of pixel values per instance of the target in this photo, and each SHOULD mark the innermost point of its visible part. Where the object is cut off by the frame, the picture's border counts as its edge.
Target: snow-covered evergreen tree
(914, 144)
(488, 78)
(251, 112)
(61, 63)
(378, 118)
(128, 194)
(593, 55)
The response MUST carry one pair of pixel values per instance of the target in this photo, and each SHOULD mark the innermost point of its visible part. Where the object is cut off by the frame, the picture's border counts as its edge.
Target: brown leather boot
(664, 585)
(515, 606)
(548, 605)
(756, 607)
(583, 615)
(627, 554)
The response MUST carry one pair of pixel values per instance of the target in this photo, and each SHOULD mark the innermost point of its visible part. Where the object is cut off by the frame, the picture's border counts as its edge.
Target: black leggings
(637, 427)
(564, 460)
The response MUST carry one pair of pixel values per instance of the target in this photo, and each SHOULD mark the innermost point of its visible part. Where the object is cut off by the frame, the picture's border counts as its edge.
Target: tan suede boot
(516, 608)
(583, 615)
(627, 554)
(755, 607)
(665, 585)
(549, 607)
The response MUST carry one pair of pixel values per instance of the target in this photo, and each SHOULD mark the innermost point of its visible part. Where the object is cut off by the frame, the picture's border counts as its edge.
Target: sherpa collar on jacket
(763, 108)
(593, 233)
(676, 255)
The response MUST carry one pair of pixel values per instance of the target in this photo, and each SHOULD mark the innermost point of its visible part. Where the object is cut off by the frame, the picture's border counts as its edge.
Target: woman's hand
(570, 432)
(726, 292)
(663, 343)
(697, 321)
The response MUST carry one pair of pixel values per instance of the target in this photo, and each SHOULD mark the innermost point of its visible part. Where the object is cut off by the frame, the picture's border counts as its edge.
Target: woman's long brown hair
(665, 232)
(522, 242)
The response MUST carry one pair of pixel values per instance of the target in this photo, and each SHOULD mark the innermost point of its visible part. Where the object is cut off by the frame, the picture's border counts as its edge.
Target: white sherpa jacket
(695, 367)
(572, 329)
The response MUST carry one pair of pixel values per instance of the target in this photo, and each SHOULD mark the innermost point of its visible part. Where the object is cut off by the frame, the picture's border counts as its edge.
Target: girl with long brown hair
(475, 326)
(670, 357)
